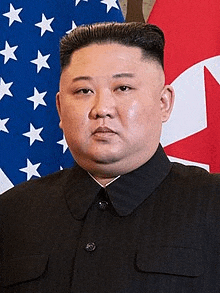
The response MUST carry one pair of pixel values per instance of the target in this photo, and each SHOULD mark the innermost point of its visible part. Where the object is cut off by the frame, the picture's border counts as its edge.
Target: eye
(124, 88)
(84, 91)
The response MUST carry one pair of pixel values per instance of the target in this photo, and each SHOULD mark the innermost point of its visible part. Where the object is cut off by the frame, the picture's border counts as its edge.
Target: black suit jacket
(156, 229)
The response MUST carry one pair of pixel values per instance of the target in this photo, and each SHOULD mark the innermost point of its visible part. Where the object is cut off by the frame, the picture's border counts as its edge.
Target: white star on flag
(110, 4)
(37, 98)
(4, 89)
(45, 24)
(31, 169)
(41, 61)
(73, 27)
(5, 183)
(8, 52)
(13, 14)
(34, 134)
(2, 125)
(63, 143)
(77, 2)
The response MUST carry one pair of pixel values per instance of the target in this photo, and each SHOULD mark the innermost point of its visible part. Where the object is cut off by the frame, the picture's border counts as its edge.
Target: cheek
(72, 124)
(143, 120)
(73, 114)
(142, 113)
(133, 110)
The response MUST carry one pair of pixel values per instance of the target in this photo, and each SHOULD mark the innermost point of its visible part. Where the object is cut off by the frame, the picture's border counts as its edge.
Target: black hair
(149, 38)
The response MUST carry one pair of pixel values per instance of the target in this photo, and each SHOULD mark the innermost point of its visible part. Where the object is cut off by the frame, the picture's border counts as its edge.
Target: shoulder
(193, 175)
(36, 189)
(194, 187)
(199, 190)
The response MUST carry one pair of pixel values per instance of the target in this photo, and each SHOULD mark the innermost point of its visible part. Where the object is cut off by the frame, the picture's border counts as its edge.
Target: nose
(103, 105)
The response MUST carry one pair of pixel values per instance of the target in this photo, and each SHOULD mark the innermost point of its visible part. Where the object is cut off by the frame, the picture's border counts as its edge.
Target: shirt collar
(107, 183)
(126, 193)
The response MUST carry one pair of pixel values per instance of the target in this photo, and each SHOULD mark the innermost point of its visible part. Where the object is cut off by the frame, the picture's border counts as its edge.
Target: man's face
(111, 104)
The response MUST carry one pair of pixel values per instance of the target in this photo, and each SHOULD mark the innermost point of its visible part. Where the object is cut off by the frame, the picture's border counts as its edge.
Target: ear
(167, 101)
(59, 108)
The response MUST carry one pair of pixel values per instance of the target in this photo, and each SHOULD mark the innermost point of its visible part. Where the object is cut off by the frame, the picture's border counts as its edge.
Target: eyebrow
(118, 75)
(123, 75)
(81, 78)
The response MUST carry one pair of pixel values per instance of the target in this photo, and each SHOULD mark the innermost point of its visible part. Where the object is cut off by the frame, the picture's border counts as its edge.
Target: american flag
(31, 143)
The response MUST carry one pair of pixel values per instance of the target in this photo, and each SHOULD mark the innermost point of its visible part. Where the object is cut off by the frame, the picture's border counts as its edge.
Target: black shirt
(125, 193)
(154, 230)
(106, 240)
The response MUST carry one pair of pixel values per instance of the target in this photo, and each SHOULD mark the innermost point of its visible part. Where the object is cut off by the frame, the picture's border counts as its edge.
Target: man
(125, 219)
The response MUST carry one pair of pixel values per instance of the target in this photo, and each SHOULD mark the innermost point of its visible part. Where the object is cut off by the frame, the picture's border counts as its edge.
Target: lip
(103, 130)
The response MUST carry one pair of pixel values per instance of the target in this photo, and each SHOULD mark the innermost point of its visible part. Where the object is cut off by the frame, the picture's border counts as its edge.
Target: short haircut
(149, 38)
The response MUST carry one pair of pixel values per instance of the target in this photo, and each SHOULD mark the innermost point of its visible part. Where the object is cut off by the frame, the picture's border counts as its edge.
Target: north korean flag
(192, 66)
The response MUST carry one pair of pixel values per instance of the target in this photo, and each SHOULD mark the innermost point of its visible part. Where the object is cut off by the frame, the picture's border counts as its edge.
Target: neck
(103, 181)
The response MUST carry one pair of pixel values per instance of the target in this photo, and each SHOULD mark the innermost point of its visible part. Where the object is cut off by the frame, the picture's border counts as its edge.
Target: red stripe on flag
(192, 31)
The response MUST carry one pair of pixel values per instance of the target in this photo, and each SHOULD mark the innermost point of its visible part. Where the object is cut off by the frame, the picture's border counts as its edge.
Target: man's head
(149, 38)
(112, 99)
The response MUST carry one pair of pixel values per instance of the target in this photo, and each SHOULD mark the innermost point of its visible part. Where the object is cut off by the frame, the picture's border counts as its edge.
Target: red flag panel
(192, 65)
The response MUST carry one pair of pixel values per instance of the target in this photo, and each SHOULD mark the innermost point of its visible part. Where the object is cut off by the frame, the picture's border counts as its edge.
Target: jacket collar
(125, 194)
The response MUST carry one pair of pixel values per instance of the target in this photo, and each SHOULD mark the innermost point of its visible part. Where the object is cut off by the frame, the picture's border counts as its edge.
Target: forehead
(107, 59)
(108, 51)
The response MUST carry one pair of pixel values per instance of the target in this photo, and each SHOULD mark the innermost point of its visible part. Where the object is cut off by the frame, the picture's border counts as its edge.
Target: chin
(105, 160)
(101, 156)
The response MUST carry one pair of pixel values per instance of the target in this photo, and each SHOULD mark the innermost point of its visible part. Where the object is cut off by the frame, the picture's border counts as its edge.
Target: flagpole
(136, 10)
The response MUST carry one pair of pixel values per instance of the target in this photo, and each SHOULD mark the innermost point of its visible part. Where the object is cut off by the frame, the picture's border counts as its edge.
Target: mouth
(103, 131)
